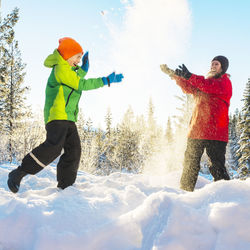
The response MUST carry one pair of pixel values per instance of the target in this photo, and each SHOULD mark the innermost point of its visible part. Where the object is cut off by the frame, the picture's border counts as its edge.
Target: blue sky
(221, 27)
(134, 37)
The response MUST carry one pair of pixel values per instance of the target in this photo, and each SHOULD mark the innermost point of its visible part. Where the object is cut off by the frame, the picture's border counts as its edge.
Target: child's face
(74, 60)
(216, 67)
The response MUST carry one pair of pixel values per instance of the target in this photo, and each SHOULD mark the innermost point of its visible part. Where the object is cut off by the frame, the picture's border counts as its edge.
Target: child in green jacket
(63, 91)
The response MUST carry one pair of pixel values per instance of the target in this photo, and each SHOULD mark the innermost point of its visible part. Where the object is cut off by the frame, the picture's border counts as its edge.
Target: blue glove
(85, 62)
(112, 78)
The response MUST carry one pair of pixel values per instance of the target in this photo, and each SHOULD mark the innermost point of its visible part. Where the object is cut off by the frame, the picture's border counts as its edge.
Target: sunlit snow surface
(123, 211)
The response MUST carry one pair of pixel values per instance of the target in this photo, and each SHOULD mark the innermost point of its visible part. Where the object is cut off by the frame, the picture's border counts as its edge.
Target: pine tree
(182, 120)
(108, 147)
(127, 153)
(234, 135)
(6, 38)
(169, 132)
(89, 158)
(99, 142)
(13, 95)
(181, 127)
(151, 118)
(108, 121)
(30, 134)
(153, 133)
(244, 150)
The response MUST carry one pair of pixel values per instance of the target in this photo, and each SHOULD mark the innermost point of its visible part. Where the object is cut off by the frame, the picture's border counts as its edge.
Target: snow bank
(123, 211)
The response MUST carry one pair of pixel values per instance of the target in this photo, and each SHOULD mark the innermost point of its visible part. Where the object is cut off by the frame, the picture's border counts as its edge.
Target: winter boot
(219, 173)
(15, 178)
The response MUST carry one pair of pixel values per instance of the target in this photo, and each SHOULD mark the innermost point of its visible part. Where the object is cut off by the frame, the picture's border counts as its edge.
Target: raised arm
(217, 86)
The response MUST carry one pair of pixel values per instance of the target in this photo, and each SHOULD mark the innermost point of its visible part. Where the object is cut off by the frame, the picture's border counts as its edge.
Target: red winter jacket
(212, 99)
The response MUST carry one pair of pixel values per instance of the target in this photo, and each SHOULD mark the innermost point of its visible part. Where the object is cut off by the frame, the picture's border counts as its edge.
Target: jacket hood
(54, 59)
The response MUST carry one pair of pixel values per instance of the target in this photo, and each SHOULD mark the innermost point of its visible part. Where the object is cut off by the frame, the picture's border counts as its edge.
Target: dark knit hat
(223, 61)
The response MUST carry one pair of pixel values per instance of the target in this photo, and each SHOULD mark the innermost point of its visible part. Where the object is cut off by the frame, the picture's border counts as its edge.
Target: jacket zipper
(69, 97)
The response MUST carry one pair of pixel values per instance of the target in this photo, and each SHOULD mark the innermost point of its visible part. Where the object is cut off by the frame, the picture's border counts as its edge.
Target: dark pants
(60, 135)
(215, 150)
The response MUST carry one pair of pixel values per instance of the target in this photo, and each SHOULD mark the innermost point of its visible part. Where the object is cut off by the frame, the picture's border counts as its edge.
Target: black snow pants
(60, 135)
(215, 150)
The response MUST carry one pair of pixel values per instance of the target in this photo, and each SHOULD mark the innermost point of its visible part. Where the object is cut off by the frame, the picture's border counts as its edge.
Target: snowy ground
(123, 211)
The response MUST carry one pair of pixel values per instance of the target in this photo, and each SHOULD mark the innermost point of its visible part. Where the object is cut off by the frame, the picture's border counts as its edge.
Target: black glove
(182, 71)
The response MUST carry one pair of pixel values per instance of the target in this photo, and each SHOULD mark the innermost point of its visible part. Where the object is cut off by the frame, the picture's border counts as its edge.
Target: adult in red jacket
(208, 127)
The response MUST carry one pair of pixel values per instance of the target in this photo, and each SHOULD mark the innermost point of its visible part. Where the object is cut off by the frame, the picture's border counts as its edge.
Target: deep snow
(123, 211)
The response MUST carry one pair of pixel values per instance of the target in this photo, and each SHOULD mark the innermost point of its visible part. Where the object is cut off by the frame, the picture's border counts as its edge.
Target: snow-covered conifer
(169, 132)
(181, 126)
(233, 144)
(127, 153)
(244, 150)
(108, 121)
(13, 94)
(154, 133)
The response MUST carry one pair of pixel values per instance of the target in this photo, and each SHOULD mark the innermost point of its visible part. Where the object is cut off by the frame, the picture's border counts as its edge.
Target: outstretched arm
(182, 82)
(185, 85)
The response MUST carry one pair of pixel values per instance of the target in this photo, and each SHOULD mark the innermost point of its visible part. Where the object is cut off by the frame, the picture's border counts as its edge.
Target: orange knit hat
(68, 47)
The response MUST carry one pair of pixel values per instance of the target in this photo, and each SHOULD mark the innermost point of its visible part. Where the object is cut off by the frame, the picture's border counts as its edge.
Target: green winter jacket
(64, 89)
